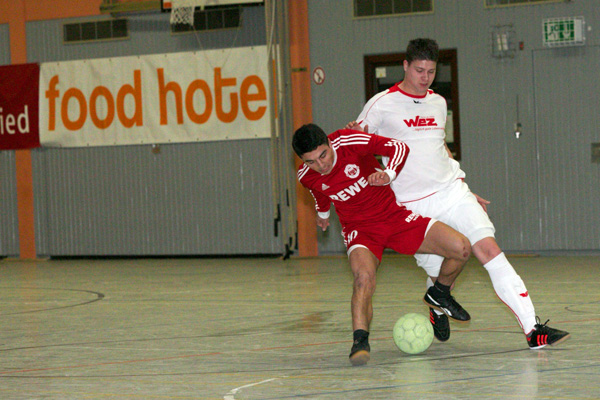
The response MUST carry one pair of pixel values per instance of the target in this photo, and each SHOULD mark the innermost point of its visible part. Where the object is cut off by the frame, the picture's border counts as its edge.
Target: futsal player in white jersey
(432, 184)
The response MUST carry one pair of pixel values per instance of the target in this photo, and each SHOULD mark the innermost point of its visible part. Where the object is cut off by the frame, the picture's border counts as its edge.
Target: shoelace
(537, 320)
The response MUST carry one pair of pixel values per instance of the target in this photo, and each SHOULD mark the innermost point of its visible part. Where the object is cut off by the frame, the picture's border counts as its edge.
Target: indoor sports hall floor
(263, 328)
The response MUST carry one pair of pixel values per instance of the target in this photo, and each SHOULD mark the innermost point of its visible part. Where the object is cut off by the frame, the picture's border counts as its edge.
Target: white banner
(165, 98)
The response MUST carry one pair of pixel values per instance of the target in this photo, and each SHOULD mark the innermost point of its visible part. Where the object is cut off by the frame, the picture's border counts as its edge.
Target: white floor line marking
(232, 392)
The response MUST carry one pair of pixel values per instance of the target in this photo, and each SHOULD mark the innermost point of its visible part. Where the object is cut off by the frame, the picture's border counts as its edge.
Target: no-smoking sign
(318, 75)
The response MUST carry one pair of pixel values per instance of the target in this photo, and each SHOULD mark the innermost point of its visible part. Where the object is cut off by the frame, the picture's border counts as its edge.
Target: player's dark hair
(422, 49)
(307, 138)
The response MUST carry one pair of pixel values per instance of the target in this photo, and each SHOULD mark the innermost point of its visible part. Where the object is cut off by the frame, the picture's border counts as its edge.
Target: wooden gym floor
(263, 328)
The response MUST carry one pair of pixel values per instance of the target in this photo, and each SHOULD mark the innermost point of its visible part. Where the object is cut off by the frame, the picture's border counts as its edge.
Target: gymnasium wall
(184, 199)
(543, 187)
(215, 198)
(9, 237)
(9, 231)
(4, 44)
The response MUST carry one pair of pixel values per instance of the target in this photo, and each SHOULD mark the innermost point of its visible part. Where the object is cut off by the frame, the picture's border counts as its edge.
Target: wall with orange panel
(16, 13)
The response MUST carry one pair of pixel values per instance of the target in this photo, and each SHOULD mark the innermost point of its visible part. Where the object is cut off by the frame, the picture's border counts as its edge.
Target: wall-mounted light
(504, 44)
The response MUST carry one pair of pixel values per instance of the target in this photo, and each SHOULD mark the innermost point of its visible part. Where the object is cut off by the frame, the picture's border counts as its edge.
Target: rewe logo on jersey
(418, 121)
(350, 191)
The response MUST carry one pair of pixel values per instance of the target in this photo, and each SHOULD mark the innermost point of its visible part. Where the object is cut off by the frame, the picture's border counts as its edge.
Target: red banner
(19, 106)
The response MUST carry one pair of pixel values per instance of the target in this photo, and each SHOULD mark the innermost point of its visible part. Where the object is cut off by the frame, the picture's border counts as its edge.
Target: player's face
(320, 159)
(418, 76)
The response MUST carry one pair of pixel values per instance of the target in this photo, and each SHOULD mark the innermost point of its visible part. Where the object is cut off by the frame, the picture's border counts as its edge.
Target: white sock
(428, 284)
(512, 291)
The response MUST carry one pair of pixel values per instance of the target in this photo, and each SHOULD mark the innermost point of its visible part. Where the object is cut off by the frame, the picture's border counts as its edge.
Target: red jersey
(346, 185)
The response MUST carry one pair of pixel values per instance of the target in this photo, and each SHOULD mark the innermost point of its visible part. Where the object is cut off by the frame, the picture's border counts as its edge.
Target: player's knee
(365, 281)
(462, 248)
(486, 249)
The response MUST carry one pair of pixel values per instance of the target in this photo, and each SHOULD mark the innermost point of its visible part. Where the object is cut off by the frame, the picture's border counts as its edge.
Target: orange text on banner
(245, 97)
(252, 89)
(52, 94)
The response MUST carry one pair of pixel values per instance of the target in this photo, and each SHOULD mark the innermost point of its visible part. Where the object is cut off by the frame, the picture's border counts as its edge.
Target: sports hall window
(501, 3)
(110, 29)
(371, 8)
(218, 17)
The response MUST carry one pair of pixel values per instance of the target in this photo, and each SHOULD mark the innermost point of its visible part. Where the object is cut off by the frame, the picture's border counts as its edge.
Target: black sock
(360, 334)
(445, 290)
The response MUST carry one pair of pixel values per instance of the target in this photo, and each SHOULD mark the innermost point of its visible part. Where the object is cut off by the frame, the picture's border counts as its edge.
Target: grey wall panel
(569, 181)
(148, 34)
(4, 44)
(9, 230)
(498, 166)
(203, 198)
(191, 199)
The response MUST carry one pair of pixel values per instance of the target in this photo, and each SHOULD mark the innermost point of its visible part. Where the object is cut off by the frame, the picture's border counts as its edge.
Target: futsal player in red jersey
(342, 168)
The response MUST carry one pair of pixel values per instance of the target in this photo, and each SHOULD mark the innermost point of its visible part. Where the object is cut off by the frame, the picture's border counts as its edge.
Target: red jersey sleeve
(322, 201)
(395, 150)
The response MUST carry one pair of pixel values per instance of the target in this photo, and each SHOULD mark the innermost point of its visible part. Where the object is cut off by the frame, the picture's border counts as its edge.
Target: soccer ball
(413, 333)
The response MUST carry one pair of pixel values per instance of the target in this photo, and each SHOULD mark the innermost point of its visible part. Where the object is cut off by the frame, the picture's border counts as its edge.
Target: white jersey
(418, 121)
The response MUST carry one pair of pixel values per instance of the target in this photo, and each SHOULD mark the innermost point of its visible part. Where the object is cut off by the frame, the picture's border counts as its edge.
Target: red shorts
(402, 231)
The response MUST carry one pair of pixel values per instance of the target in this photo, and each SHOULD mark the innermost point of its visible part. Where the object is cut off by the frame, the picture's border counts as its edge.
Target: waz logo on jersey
(419, 121)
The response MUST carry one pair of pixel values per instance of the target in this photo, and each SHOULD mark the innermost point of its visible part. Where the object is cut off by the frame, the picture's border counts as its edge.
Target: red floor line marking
(108, 363)
(304, 345)
(158, 359)
(262, 349)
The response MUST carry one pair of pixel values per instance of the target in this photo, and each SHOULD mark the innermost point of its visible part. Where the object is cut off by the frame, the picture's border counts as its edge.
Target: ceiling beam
(116, 7)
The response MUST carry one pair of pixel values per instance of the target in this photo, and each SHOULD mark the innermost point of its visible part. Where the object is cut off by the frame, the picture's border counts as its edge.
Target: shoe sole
(361, 357)
(562, 339)
(444, 311)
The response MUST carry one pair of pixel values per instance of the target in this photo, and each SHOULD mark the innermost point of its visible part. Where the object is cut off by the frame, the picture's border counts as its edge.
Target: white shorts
(457, 207)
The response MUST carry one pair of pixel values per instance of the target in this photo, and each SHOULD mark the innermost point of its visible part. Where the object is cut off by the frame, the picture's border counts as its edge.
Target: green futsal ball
(413, 333)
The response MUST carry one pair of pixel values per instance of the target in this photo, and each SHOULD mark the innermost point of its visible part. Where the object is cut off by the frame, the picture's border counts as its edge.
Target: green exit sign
(568, 31)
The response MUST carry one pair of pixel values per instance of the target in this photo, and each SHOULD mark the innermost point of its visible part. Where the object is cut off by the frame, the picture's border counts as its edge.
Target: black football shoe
(441, 325)
(361, 351)
(446, 304)
(542, 335)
